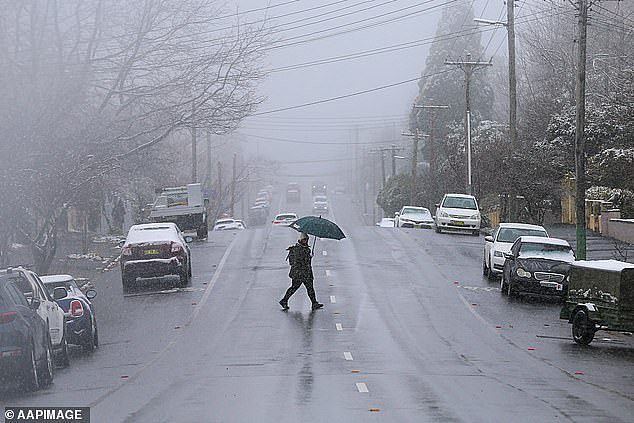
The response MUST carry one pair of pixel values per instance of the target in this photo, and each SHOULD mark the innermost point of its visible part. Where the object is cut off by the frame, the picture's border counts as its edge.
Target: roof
(609, 265)
(460, 195)
(520, 226)
(152, 226)
(544, 240)
(152, 232)
(56, 278)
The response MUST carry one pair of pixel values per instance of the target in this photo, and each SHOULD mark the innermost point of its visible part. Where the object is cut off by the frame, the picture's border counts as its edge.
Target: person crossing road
(300, 258)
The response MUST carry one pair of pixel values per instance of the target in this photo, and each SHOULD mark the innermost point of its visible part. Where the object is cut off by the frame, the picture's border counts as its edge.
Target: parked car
(319, 188)
(284, 219)
(32, 287)
(458, 212)
(81, 321)
(413, 217)
(600, 297)
(320, 204)
(26, 350)
(155, 250)
(537, 265)
(500, 242)
(386, 222)
(227, 224)
(293, 192)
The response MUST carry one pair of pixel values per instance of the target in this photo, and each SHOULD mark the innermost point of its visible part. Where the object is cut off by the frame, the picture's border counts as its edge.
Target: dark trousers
(297, 282)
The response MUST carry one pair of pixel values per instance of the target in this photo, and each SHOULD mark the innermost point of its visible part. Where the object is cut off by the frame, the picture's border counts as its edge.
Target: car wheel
(91, 342)
(47, 372)
(184, 279)
(485, 269)
(63, 358)
(582, 328)
(476, 232)
(503, 285)
(127, 281)
(509, 289)
(437, 230)
(30, 377)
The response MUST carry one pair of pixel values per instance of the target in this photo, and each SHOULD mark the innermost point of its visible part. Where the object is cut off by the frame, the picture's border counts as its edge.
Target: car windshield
(511, 234)
(547, 251)
(460, 203)
(321, 199)
(414, 210)
(285, 217)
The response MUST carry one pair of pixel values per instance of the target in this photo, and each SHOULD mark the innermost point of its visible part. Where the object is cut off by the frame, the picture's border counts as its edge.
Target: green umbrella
(318, 227)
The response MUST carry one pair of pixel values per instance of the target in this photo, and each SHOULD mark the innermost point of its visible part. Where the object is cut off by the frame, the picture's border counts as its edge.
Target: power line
(334, 143)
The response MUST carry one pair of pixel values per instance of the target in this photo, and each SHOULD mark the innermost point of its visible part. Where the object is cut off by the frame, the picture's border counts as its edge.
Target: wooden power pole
(580, 99)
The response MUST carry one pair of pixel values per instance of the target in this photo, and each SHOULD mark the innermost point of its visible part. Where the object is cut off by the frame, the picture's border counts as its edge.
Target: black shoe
(284, 304)
(317, 305)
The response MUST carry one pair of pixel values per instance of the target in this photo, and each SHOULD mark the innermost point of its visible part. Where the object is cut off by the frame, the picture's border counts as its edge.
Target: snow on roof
(460, 195)
(521, 226)
(609, 265)
(543, 240)
(56, 278)
(152, 232)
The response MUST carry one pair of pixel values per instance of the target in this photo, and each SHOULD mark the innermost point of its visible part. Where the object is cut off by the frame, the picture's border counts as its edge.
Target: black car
(26, 352)
(81, 322)
(537, 265)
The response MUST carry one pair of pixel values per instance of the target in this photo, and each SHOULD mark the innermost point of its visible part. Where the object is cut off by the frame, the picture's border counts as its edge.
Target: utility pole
(468, 67)
(393, 160)
(510, 26)
(194, 153)
(580, 100)
(382, 168)
(208, 161)
(220, 193)
(233, 185)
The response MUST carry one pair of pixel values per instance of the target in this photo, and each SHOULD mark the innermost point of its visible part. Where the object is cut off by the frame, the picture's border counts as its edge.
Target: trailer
(184, 206)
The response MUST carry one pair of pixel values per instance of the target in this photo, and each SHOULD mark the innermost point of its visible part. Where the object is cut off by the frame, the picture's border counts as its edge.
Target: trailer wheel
(582, 328)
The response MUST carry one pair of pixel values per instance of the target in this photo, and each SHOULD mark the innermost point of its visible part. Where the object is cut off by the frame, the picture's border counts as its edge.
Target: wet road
(411, 332)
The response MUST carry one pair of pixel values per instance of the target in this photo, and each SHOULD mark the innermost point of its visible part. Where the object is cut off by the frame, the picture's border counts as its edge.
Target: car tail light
(276, 223)
(126, 251)
(76, 308)
(177, 248)
(7, 317)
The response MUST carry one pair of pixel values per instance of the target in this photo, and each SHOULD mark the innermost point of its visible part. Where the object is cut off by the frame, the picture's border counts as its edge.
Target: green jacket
(300, 258)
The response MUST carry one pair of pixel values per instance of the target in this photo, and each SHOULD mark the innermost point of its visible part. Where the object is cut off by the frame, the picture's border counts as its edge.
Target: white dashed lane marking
(362, 387)
(325, 252)
(333, 299)
(348, 356)
(338, 326)
(328, 274)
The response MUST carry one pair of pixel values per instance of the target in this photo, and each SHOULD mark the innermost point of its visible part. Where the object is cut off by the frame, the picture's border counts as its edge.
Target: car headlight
(523, 273)
(475, 216)
(444, 214)
(498, 254)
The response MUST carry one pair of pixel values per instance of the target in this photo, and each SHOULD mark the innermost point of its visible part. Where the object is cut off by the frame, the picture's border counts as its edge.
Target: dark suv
(26, 352)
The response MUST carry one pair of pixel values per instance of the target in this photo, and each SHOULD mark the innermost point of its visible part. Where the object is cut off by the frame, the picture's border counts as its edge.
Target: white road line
(348, 356)
(338, 326)
(333, 299)
(325, 252)
(328, 274)
(362, 387)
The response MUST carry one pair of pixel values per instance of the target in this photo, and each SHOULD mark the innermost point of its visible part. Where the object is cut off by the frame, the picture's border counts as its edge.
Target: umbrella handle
(314, 241)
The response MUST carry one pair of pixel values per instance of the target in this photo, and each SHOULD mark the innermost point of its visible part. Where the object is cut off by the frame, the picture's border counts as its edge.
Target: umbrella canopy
(318, 227)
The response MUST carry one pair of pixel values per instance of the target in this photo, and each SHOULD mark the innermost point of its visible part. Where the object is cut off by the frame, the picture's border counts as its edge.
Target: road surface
(411, 332)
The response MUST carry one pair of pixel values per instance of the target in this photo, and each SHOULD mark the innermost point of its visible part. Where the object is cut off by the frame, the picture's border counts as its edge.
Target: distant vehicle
(227, 224)
(26, 350)
(458, 212)
(264, 194)
(319, 188)
(32, 287)
(81, 323)
(537, 265)
(600, 297)
(386, 222)
(257, 216)
(500, 242)
(293, 192)
(154, 250)
(184, 206)
(340, 189)
(284, 219)
(262, 202)
(241, 224)
(413, 217)
(320, 204)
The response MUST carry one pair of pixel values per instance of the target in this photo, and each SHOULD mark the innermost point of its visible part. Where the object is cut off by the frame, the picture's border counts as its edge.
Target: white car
(320, 205)
(39, 299)
(386, 222)
(458, 212)
(227, 225)
(284, 219)
(501, 241)
(413, 217)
